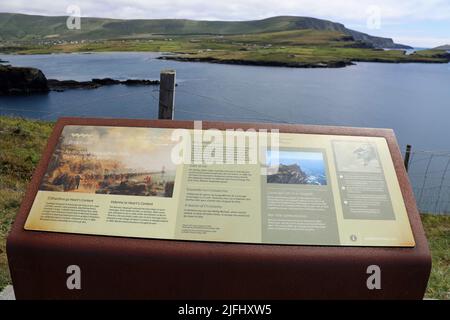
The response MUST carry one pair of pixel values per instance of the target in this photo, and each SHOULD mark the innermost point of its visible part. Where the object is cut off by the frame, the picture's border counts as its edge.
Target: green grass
(313, 55)
(298, 47)
(32, 27)
(438, 233)
(21, 144)
(284, 40)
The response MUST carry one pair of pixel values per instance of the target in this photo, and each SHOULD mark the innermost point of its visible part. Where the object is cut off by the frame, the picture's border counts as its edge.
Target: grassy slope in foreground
(437, 229)
(21, 144)
(298, 48)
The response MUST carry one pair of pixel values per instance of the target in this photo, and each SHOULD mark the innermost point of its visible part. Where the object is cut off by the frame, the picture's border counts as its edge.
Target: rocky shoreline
(18, 80)
(445, 58)
(24, 80)
(62, 85)
(334, 64)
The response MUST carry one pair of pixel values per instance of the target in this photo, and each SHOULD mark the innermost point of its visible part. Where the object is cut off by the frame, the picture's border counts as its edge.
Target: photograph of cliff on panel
(296, 167)
(111, 160)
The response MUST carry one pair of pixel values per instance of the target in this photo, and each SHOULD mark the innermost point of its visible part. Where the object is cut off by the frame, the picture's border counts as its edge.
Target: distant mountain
(32, 27)
(444, 47)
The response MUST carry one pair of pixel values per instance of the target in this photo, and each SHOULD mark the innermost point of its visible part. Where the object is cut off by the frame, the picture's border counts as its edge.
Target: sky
(419, 23)
(291, 157)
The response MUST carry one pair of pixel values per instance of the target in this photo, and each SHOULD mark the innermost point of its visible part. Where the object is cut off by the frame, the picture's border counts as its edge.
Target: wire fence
(429, 173)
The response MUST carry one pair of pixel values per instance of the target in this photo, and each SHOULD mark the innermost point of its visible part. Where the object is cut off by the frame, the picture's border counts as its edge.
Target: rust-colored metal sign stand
(41, 263)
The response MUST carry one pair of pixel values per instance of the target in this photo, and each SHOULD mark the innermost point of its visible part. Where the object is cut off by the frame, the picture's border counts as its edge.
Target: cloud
(351, 10)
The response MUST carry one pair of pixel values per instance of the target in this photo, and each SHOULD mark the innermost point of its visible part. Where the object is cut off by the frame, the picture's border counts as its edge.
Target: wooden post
(407, 155)
(167, 94)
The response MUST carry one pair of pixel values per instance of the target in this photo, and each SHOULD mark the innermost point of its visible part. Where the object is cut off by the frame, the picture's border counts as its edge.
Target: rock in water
(22, 80)
(105, 81)
(61, 85)
(137, 82)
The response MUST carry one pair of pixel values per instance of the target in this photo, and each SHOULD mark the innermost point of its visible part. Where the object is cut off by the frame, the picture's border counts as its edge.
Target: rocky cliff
(288, 174)
(19, 80)
(24, 80)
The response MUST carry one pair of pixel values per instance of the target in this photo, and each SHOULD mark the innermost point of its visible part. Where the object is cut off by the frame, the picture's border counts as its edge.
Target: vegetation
(443, 47)
(301, 48)
(279, 41)
(437, 229)
(21, 144)
(29, 28)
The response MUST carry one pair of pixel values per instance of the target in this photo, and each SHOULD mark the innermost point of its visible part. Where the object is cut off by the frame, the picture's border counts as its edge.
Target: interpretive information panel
(212, 185)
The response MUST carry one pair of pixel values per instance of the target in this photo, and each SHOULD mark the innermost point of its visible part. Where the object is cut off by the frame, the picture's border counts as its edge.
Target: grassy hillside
(278, 41)
(443, 47)
(30, 27)
(21, 144)
(301, 48)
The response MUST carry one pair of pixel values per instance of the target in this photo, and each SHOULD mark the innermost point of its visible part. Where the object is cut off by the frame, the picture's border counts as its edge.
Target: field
(22, 141)
(277, 41)
(297, 48)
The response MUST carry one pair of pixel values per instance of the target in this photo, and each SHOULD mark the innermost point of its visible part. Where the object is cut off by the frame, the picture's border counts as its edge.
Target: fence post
(407, 155)
(167, 94)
